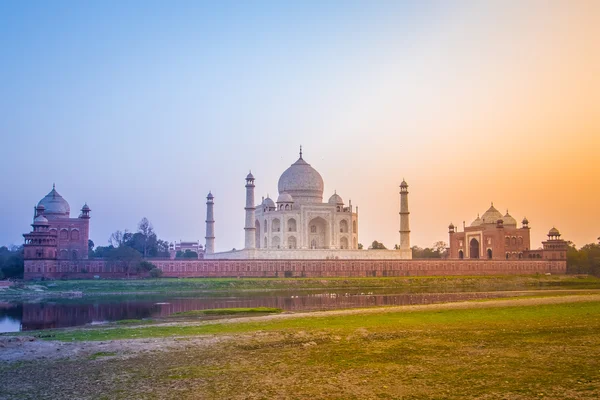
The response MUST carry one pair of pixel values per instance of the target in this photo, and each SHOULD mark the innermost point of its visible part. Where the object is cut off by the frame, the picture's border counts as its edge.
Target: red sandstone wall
(58, 269)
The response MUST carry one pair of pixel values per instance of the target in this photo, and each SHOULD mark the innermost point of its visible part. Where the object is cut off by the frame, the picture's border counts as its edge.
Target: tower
(249, 227)
(210, 225)
(404, 216)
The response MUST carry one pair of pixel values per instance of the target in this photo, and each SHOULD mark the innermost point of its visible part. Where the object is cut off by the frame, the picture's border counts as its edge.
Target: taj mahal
(299, 225)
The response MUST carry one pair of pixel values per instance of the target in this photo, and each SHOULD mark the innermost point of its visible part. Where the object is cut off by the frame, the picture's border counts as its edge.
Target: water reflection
(66, 313)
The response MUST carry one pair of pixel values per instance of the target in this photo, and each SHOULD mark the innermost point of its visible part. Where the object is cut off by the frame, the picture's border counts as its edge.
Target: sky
(139, 108)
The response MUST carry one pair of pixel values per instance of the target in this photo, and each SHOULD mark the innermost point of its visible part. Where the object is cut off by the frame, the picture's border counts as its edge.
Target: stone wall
(310, 254)
(58, 269)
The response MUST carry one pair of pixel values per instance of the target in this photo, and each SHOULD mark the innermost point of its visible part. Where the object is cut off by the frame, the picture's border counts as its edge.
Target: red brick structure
(55, 234)
(496, 237)
(58, 269)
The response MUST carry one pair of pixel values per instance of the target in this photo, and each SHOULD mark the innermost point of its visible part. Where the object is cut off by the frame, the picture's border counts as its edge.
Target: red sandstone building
(55, 234)
(494, 236)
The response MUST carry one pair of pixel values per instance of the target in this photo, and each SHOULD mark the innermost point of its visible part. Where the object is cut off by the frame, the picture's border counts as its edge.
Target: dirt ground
(30, 348)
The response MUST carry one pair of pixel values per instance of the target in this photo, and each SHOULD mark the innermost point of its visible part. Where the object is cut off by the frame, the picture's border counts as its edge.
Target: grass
(133, 321)
(227, 311)
(549, 351)
(194, 285)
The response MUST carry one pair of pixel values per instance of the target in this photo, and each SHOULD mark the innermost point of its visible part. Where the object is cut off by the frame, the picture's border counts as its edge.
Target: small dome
(55, 205)
(336, 200)
(491, 216)
(509, 220)
(525, 221)
(210, 196)
(40, 220)
(268, 202)
(553, 232)
(249, 176)
(403, 184)
(85, 207)
(285, 198)
(451, 226)
(478, 221)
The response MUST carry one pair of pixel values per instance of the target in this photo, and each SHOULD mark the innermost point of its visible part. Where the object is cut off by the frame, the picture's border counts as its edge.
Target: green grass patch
(134, 321)
(195, 285)
(227, 311)
(344, 323)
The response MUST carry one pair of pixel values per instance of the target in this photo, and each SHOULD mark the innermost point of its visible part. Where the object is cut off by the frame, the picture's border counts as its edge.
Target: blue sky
(141, 108)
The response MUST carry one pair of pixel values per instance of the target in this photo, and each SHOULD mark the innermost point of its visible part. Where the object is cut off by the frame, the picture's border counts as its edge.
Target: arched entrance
(489, 254)
(474, 248)
(318, 233)
(461, 254)
(344, 243)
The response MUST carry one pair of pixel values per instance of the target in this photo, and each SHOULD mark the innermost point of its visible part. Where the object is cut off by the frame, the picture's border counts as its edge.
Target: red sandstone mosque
(55, 234)
(494, 236)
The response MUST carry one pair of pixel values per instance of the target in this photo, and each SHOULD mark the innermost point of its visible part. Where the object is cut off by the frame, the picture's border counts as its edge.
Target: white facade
(299, 225)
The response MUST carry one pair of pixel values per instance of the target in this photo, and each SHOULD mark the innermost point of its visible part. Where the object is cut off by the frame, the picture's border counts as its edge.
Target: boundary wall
(89, 269)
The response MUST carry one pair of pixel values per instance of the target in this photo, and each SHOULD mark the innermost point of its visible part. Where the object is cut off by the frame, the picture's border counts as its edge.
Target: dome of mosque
(491, 216)
(268, 202)
(55, 205)
(40, 220)
(554, 232)
(302, 182)
(285, 198)
(509, 220)
(336, 200)
(478, 221)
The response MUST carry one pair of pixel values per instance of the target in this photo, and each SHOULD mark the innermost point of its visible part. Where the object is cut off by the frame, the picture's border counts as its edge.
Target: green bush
(156, 273)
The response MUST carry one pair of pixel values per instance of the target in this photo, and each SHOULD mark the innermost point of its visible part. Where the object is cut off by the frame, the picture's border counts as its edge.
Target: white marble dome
(302, 182)
(285, 198)
(55, 206)
(268, 202)
(336, 199)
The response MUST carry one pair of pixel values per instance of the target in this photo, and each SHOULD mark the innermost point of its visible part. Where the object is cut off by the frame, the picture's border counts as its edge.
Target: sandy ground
(28, 348)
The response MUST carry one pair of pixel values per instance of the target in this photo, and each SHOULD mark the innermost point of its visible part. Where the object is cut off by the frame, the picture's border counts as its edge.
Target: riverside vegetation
(199, 285)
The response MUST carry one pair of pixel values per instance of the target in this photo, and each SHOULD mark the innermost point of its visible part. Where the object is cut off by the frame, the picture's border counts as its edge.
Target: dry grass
(549, 351)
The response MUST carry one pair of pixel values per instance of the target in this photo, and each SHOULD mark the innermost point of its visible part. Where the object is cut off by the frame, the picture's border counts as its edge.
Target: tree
(126, 256)
(377, 246)
(187, 254)
(146, 229)
(360, 246)
(12, 262)
(90, 248)
(440, 246)
(117, 238)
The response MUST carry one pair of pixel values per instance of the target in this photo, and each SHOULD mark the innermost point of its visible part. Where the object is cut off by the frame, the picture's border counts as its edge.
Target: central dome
(302, 182)
(55, 206)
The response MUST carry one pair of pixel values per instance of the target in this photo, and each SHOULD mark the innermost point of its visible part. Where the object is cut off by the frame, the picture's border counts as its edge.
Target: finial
(300, 151)
(335, 191)
(53, 186)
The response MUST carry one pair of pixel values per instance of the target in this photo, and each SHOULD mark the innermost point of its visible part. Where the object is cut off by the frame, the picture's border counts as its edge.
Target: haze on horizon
(140, 109)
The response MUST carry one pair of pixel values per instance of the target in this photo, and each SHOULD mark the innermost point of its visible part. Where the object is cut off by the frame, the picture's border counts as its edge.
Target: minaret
(250, 227)
(210, 225)
(404, 214)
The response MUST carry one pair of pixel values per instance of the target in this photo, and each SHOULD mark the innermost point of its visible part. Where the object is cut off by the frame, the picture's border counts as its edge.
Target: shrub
(156, 273)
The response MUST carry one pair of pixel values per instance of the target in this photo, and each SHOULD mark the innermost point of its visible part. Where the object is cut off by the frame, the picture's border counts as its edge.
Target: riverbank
(543, 347)
(75, 288)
